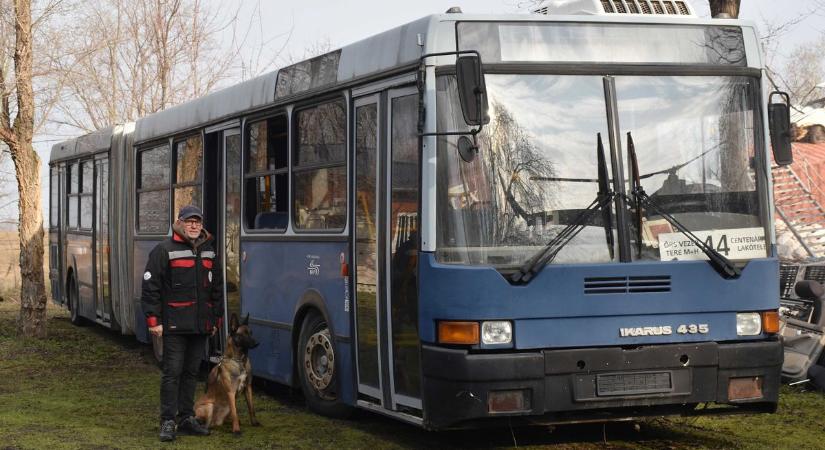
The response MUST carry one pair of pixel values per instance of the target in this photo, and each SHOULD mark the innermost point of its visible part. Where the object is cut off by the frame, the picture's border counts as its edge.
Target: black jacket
(183, 285)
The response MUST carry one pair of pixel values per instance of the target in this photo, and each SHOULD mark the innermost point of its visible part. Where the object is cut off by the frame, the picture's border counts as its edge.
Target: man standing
(182, 299)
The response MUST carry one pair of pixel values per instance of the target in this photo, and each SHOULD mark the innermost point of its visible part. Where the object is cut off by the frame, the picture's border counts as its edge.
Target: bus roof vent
(608, 7)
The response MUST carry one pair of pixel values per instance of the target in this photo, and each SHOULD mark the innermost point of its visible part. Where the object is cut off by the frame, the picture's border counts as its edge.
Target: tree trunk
(729, 7)
(32, 320)
(27, 169)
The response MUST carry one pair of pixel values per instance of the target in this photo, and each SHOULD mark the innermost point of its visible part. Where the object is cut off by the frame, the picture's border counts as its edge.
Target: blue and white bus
(556, 216)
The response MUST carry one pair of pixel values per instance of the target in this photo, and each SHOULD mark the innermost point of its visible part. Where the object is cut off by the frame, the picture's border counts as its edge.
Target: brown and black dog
(228, 378)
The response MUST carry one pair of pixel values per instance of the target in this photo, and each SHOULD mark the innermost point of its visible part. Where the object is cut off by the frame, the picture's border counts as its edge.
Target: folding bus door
(385, 240)
(222, 213)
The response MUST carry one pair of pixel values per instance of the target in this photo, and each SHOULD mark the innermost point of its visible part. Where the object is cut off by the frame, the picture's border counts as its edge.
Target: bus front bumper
(608, 383)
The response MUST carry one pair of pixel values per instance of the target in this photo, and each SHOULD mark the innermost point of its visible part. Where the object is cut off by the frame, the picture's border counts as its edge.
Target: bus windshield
(537, 168)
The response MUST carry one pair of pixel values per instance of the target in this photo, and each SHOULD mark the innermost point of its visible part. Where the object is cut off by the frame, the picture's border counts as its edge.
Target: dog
(228, 378)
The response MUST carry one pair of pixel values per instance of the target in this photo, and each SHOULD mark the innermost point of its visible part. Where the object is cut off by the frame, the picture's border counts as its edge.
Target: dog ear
(233, 323)
(246, 319)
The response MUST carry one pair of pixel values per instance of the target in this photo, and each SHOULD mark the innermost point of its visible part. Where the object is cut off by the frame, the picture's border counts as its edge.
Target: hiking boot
(191, 425)
(167, 431)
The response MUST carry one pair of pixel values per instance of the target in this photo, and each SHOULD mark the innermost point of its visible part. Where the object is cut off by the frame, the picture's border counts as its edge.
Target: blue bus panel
(560, 309)
(279, 280)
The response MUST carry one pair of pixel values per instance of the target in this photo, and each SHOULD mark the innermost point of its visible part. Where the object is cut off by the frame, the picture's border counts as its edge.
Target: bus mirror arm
(472, 93)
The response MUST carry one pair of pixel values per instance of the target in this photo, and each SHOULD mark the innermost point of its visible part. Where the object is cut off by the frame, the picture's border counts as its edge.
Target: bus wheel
(74, 305)
(317, 368)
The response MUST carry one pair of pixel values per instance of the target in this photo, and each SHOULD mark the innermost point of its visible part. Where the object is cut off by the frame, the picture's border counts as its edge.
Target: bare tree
(511, 169)
(803, 75)
(729, 7)
(17, 136)
(123, 59)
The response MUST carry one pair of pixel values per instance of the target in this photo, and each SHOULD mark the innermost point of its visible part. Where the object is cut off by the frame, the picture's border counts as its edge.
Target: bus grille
(668, 7)
(644, 7)
(787, 279)
(627, 285)
(815, 273)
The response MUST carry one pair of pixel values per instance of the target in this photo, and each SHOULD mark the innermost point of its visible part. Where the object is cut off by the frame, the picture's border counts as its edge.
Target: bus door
(57, 266)
(103, 299)
(386, 247)
(222, 210)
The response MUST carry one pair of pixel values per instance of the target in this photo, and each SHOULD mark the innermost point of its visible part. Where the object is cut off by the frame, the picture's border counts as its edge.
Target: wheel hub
(319, 361)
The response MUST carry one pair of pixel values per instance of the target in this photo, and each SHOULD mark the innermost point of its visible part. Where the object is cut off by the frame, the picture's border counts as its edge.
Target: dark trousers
(182, 354)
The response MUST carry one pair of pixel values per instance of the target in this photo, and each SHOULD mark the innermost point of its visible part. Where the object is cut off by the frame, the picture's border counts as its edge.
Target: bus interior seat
(804, 341)
(316, 221)
(271, 220)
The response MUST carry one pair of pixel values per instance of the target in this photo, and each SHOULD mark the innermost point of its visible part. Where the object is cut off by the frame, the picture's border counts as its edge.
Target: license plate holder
(634, 383)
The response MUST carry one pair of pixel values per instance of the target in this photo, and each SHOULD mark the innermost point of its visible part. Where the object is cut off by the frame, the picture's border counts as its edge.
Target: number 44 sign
(736, 243)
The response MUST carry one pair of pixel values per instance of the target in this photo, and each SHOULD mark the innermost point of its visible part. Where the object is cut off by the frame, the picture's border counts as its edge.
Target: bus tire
(74, 305)
(317, 368)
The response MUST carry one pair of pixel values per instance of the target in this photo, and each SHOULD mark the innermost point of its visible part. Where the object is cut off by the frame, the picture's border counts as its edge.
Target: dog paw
(255, 423)
(237, 434)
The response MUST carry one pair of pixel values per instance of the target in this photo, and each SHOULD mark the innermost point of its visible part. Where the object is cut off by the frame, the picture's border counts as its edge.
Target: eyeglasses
(193, 223)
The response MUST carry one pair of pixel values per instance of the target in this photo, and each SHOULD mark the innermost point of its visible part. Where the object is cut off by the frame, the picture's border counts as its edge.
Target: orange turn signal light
(770, 322)
(451, 332)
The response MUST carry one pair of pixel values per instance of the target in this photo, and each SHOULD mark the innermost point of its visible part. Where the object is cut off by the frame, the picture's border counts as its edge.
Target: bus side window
(188, 173)
(53, 197)
(86, 190)
(74, 189)
(266, 177)
(320, 168)
(153, 190)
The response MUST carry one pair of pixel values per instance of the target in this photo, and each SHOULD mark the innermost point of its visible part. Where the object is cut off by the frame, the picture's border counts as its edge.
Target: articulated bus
(551, 217)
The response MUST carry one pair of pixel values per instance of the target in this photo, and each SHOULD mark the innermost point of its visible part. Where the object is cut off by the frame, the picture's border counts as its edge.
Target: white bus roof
(394, 48)
(383, 51)
(84, 145)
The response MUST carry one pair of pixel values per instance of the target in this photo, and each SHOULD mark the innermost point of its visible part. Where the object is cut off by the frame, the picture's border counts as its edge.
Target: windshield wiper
(604, 190)
(637, 186)
(601, 202)
(722, 265)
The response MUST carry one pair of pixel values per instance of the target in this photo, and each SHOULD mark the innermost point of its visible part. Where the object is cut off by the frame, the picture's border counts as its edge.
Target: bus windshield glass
(537, 168)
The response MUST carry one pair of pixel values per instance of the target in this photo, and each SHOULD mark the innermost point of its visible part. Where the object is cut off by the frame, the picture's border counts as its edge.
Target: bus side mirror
(472, 92)
(779, 121)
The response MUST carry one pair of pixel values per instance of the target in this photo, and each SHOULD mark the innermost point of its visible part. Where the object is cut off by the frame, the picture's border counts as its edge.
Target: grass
(87, 388)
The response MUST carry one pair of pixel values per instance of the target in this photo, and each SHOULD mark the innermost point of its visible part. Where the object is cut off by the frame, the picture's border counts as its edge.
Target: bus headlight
(496, 332)
(748, 324)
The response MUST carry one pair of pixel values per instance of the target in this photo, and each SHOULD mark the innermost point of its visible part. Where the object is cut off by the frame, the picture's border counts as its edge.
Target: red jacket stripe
(182, 263)
(179, 304)
(207, 263)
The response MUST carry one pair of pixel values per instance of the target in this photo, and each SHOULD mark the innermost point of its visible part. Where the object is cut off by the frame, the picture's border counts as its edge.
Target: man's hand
(214, 330)
(156, 331)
